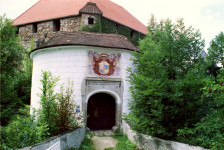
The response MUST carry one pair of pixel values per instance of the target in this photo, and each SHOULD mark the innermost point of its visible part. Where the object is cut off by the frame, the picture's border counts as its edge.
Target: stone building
(96, 61)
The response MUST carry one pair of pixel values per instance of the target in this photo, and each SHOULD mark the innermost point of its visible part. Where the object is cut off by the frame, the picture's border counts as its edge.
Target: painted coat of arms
(103, 64)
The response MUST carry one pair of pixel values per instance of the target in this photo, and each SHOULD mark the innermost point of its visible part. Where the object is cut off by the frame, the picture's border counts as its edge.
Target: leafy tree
(11, 64)
(48, 111)
(26, 76)
(165, 84)
(209, 132)
(216, 50)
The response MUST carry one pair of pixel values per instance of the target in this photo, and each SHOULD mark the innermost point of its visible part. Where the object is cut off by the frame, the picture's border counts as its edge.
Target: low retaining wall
(148, 143)
(67, 140)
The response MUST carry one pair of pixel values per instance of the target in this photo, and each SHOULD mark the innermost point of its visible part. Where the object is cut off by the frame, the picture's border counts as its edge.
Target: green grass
(110, 148)
(87, 143)
(124, 143)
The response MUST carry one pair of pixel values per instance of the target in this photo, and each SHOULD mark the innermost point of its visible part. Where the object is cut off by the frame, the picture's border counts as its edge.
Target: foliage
(87, 143)
(48, 112)
(209, 132)
(108, 26)
(11, 64)
(165, 84)
(25, 77)
(216, 50)
(66, 109)
(124, 143)
(103, 25)
(22, 131)
(123, 30)
(96, 27)
(137, 36)
(57, 109)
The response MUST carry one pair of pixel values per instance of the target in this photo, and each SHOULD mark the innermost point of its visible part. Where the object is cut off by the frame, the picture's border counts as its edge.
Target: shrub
(58, 110)
(67, 118)
(209, 132)
(48, 111)
(22, 131)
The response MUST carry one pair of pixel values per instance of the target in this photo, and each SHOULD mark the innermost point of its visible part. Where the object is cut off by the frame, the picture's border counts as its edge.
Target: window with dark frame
(116, 28)
(34, 30)
(90, 21)
(132, 34)
(56, 25)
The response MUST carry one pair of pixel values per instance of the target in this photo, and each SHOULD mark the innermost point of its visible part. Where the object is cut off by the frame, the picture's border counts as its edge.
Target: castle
(96, 61)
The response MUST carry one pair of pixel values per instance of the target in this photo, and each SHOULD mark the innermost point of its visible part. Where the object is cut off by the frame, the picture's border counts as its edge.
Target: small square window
(90, 21)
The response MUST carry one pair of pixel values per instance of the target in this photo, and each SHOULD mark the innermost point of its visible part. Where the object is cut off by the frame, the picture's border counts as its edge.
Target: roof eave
(39, 48)
(47, 20)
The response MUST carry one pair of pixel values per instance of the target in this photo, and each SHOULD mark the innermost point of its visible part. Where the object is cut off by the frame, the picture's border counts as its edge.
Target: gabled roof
(50, 9)
(89, 39)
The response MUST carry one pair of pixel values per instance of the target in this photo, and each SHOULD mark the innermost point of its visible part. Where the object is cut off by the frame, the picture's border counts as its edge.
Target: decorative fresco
(103, 64)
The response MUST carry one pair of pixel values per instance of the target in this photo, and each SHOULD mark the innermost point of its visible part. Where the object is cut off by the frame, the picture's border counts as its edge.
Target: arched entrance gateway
(102, 106)
(101, 111)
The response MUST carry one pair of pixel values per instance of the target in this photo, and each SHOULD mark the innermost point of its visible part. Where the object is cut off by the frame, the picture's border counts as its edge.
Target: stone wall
(84, 20)
(67, 140)
(45, 30)
(72, 24)
(147, 142)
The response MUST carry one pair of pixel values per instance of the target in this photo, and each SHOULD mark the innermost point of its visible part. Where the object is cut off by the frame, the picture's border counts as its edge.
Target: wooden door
(101, 112)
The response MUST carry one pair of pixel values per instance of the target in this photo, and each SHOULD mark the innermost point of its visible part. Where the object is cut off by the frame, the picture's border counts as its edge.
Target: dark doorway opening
(101, 112)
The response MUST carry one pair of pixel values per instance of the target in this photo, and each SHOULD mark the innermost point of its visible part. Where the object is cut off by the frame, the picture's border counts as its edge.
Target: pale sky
(205, 15)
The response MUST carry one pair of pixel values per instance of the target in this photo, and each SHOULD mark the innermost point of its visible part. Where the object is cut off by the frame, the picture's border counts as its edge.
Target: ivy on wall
(96, 27)
(108, 26)
(103, 25)
(137, 36)
(122, 30)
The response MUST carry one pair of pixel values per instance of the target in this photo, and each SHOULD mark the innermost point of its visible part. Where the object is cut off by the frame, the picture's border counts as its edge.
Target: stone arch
(117, 103)
(113, 94)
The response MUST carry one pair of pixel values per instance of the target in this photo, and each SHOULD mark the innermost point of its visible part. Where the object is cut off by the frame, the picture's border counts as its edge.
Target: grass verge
(87, 143)
(124, 143)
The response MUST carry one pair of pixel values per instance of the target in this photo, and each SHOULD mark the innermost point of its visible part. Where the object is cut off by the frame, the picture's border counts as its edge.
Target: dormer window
(34, 28)
(56, 25)
(90, 21)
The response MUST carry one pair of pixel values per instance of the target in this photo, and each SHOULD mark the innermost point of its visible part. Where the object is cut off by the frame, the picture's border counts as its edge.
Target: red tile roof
(49, 9)
(90, 39)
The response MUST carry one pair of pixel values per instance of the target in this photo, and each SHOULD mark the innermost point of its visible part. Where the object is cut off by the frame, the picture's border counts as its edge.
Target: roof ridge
(26, 10)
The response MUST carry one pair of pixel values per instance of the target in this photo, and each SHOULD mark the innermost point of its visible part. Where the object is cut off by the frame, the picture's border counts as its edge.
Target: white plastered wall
(70, 62)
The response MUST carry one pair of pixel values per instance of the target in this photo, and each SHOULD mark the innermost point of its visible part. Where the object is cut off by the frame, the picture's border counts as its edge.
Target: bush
(209, 132)
(67, 118)
(58, 110)
(22, 131)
